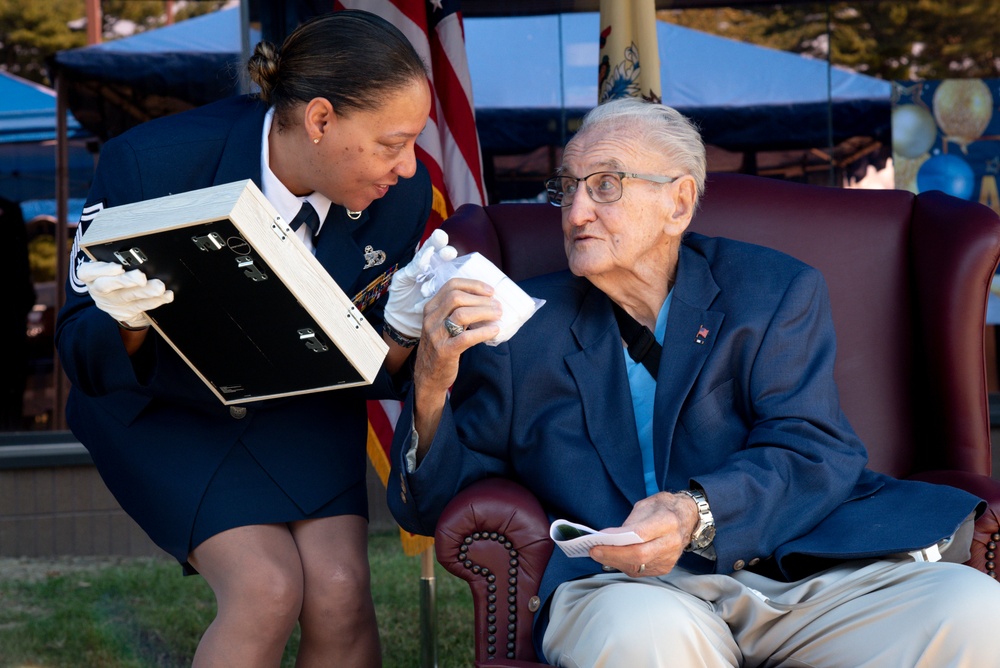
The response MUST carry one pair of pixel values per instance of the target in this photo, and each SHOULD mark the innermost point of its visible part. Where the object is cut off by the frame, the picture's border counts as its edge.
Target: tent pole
(95, 21)
(563, 130)
(829, 90)
(60, 385)
(244, 45)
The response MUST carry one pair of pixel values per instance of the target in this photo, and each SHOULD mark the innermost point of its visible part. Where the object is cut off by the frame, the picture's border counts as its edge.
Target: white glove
(404, 311)
(124, 295)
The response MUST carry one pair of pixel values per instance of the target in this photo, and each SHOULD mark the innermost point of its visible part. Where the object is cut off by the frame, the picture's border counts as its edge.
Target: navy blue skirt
(241, 493)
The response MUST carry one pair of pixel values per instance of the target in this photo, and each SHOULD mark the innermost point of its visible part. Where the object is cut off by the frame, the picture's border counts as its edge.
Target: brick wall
(53, 503)
(64, 510)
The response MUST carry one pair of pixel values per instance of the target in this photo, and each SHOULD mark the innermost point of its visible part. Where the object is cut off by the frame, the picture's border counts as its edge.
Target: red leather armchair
(908, 278)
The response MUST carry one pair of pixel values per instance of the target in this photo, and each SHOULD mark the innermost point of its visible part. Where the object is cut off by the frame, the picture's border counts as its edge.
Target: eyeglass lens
(603, 187)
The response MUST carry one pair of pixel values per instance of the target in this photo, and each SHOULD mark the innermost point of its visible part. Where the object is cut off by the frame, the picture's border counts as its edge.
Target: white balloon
(913, 130)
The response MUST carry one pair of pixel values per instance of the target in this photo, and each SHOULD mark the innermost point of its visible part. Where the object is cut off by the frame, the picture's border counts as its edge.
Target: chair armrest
(495, 536)
(987, 531)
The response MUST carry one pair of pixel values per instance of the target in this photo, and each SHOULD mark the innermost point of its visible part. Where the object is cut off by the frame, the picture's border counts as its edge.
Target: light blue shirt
(643, 393)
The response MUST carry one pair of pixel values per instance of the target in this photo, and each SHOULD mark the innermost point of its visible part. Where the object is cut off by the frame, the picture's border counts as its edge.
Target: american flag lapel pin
(702, 335)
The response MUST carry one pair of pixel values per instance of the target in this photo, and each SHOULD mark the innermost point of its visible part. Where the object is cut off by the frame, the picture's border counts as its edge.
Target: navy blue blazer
(746, 407)
(154, 430)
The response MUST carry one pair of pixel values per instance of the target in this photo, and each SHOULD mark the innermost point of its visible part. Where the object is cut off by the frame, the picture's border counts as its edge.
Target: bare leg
(256, 575)
(338, 615)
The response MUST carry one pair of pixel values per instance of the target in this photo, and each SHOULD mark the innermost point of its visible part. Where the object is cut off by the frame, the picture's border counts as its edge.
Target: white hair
(662, 128)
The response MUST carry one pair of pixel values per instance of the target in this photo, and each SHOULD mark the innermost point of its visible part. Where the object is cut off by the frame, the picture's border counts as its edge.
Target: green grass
(143, 613)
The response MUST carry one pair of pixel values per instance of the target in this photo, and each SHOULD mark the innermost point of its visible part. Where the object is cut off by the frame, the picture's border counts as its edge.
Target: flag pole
(428, 611)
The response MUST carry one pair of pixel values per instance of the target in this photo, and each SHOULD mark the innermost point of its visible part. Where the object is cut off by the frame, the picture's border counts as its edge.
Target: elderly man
(764, 539)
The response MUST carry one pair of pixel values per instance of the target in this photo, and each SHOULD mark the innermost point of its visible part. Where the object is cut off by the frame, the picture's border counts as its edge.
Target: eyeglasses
(603, 187)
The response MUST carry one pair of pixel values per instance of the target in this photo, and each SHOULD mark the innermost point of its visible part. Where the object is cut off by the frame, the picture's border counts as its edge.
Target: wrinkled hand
(665, 522)
(405, 308)
(124, 295)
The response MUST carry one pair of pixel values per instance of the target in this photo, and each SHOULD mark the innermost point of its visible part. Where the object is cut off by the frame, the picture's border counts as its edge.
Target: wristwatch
(704, 533)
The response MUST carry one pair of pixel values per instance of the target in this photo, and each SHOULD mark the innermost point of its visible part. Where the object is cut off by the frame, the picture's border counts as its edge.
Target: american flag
(448, 147)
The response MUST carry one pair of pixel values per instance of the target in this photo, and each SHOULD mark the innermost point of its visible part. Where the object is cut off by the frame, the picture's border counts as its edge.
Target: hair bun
(263, 68)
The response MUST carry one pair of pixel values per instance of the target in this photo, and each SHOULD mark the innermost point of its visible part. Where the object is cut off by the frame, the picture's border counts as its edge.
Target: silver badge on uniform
(373, 258)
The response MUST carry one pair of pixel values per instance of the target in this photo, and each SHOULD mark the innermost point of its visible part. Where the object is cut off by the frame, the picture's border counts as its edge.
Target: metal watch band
(704, 533)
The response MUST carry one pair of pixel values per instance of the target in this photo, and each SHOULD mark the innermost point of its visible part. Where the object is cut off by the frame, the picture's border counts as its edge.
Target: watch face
(705, 537)
(704, 533)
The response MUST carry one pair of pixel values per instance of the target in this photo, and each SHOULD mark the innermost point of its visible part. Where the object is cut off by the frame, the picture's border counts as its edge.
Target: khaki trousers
(893, 613)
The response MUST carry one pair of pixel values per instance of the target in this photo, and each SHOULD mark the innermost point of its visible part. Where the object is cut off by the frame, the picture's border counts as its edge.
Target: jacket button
(738, 566)
(755, 561)
(238, 412)
(534, 603)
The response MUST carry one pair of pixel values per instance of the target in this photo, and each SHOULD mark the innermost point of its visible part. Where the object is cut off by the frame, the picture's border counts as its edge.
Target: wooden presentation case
(255, 315)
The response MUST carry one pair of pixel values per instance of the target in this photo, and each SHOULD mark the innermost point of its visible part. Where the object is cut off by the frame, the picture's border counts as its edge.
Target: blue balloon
(948, 173)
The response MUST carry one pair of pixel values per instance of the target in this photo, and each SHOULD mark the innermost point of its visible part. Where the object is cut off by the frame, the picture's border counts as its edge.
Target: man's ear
(318, 118)
(684, 195)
